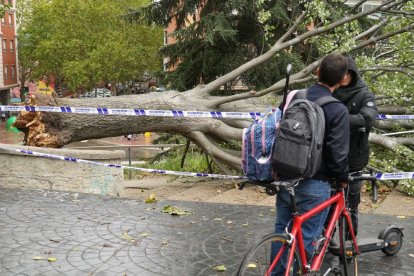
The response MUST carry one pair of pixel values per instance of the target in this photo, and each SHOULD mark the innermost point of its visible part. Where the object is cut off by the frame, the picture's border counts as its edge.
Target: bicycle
(258, 260)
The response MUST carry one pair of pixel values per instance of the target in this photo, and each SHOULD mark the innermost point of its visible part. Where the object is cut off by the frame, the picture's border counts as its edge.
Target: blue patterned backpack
(257, 144)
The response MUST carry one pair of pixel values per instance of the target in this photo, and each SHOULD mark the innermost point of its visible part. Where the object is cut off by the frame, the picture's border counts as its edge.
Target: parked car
(100, 93)
(161, 89)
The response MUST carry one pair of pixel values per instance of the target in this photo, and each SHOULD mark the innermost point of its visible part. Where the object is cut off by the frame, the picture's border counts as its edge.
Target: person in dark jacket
(312, 191)
(362, 108)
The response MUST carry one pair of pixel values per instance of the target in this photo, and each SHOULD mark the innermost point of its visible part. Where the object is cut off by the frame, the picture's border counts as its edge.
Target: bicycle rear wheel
(347, 253)
(259, 258)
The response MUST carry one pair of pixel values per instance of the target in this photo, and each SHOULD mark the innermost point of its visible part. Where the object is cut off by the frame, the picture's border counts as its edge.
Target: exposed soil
(389, 202)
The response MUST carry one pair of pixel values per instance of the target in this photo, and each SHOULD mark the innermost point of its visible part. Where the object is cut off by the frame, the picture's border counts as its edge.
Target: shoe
(333, 247)
(333, 243)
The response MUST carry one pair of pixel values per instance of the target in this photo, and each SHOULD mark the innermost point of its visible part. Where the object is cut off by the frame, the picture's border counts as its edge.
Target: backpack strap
(303, 94)
(289, 98)
(325, 100)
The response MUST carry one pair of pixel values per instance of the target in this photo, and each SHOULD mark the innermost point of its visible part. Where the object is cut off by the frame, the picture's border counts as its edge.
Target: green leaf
(220, 268)
(151, 199)
(175, 211)
(252, 265)
(51, 259)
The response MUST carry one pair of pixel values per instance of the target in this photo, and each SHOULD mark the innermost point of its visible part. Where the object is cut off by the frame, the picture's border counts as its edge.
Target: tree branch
(406, 141)
(297, 78)
(392, 124)
(389, 69)
(396, 109)
(382, 37)
(214, 85)
(371, 30)
(292, 29)
(400, 12)
(390, 144)
(213, 150)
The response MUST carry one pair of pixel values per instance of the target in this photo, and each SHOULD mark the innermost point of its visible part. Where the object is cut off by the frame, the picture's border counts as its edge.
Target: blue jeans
(308, 194)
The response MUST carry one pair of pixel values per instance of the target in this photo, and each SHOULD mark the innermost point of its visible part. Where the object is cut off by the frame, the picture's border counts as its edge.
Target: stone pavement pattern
(95, 235)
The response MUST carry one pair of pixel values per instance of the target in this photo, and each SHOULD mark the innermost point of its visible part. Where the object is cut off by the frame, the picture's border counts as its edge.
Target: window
(4, 45)
(10, 19)
(11, 45)
(165, 37)
(13, 71)
(371, 6)
(3, 20)
(6, 71)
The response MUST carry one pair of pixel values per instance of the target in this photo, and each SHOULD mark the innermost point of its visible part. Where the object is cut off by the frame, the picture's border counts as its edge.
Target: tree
(87, 42)
(214, 37)
(357, 34)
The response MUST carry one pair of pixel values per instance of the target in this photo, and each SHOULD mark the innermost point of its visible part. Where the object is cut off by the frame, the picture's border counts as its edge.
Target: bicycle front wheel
(347, 254)
(259, 259)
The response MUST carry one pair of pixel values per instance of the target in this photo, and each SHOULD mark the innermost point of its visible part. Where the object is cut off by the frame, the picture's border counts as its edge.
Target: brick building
(8, 55)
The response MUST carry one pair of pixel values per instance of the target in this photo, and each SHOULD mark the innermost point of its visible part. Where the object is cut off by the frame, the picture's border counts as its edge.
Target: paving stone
(32, 221)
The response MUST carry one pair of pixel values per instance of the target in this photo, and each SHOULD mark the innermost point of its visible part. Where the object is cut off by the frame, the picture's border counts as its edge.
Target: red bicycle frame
(339, 210)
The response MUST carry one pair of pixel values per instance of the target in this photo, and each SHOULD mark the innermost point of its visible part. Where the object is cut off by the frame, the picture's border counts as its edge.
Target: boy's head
(332, 70)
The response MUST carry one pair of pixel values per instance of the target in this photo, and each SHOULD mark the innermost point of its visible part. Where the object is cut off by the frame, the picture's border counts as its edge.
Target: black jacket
(362, 109)
(336, 140)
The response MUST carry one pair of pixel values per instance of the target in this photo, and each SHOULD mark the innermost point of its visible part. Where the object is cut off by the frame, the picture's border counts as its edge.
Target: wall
(31, 172)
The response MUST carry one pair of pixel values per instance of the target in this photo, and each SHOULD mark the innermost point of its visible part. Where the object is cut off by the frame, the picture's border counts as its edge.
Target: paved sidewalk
(94, 235)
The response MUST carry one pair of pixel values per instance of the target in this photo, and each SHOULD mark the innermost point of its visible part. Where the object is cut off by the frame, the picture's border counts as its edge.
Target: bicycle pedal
(336, 271)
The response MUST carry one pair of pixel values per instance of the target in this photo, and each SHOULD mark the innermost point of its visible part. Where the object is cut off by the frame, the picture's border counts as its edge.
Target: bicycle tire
(347, 252)
(257, 260)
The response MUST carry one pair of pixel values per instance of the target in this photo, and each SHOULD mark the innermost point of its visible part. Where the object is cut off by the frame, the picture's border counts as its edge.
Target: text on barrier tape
(159, 113)
(379, 176)
(77, 160)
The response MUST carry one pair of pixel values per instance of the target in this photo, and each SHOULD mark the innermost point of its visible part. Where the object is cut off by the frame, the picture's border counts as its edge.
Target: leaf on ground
(126, 236)
(51, 259)
(401, 217)
(252, 265)
(144, 234)
(37, 258)
(175, 211)
(273, 210)
(245, 224)
(220, 268)
(229, 222)
(218, 219)
(151, 199)
(411, 255)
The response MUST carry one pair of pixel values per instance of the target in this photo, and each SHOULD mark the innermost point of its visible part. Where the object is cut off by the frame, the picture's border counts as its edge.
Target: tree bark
(58, 129)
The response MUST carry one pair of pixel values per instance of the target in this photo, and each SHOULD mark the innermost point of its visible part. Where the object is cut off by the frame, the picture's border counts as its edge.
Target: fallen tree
(58, 129)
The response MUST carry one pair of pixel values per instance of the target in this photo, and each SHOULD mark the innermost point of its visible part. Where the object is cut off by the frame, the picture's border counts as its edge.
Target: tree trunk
(57, 129)
(48, 129)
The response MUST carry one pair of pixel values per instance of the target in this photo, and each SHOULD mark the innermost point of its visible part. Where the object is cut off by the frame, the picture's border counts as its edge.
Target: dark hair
(332, 69)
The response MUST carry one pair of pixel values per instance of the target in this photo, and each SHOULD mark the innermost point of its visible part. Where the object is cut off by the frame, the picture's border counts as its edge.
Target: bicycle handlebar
(370, 177)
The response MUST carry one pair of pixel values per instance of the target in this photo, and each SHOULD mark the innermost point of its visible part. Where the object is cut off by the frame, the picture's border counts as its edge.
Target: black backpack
(297, 151)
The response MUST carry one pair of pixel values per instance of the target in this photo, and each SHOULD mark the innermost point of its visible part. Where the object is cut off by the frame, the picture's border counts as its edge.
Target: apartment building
(8, 54)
